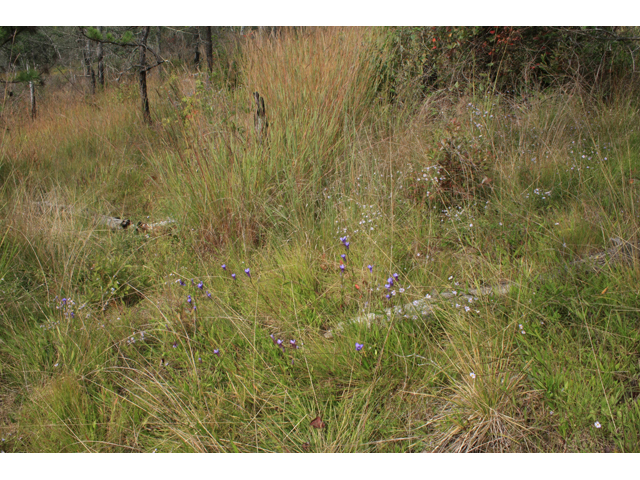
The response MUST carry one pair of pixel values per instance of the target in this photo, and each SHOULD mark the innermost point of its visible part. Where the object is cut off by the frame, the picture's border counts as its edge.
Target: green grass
(136, 368)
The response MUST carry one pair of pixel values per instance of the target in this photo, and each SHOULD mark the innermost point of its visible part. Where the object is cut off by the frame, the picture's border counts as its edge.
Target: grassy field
(208, 335)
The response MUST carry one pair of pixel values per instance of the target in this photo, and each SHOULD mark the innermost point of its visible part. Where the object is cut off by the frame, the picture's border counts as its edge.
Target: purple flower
(200, 285)
(359, 346)
(64, 300)
(189, 298)
(200, 359)
(182, 284)
(175, 345)
(279, 342)
(390, 281)
(346, 244)
(341, 269)
(248, 272)
(224, 267)
(395, 275)
(344, 257)
(208, 294)
(387, 286)
(233, 275)
(388, 296)
(293, 343)
(370, 267)
(343, 239)
(216, 352)
(72, 314)
(192, 282)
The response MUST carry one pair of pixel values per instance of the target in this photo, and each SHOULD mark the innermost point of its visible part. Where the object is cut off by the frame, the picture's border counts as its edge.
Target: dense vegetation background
(397, 164)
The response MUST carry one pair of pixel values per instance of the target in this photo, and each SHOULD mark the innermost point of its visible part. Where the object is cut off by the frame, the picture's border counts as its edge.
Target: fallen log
(622, 252)
(113, 223)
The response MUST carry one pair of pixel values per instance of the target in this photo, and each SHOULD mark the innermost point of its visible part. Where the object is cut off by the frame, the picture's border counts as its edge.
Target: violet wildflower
(216, 352)
(64, 300)
(293, 343)
(390, 281)
(359, 346)
(182, 284)
(341, 269)
(192, 282)
(344, 257)
(370, 267)
(248, 272)
(343, 239)
(200, 285)
(200, 359)
(175, 345)
(208, 294)
(395, 275)
(233, 275)
(224, 266)
(346, 244)
(189, 298)
(279, 342)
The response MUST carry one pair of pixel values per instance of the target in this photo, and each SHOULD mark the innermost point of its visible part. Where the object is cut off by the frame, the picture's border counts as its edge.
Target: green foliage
(502, 59)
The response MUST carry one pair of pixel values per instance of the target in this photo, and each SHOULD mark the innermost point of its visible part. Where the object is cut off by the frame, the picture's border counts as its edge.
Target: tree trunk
(143, 75)
(32, 94)
(100, 54)
(196, 60)
(159, 40)
(209, 48)
(88, 71)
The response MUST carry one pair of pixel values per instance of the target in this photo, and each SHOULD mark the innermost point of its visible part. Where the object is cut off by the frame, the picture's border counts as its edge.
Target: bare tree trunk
(208, 48)
(143, 75)
(32, 93)
(88, 68)
(196, 60)
(100, 54)
(159, 40)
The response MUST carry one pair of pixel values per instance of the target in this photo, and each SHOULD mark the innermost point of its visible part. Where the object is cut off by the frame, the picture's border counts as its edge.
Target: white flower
(597, 425)
(472, 375)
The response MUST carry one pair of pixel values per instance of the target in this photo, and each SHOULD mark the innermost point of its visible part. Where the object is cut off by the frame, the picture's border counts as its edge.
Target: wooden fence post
(32, 93)
(260, 118)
